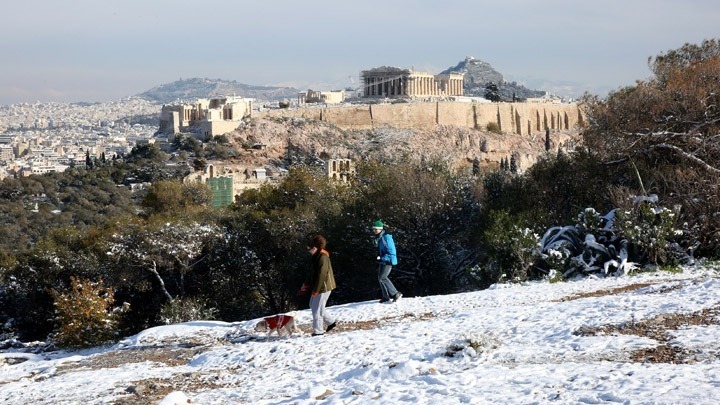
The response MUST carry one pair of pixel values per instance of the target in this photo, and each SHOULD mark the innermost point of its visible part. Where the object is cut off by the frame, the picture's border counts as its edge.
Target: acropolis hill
(399, 113)
(457, 131)
(461, 133)
(392, 132)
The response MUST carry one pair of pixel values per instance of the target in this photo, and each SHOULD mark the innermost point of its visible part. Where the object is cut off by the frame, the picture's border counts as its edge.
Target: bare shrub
(84, 314)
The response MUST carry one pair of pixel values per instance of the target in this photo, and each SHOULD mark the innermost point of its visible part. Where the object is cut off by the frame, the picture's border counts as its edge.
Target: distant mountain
(195, 88)
(479, 73)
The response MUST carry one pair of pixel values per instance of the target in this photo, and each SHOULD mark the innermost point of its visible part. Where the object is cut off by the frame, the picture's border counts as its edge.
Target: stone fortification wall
(414, 116)
(456, 114)
(517, 118)
(355, 117)
(307, 113)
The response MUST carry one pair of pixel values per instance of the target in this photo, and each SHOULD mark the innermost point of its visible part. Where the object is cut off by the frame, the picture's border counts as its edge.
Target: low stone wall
(517, 118)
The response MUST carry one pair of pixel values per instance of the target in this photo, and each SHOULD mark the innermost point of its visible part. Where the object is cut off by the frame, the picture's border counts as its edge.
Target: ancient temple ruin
(392, 82)
(213, 116)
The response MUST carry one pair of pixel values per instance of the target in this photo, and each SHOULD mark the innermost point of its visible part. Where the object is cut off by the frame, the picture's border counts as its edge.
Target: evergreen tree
(492, 92)
(547, 139)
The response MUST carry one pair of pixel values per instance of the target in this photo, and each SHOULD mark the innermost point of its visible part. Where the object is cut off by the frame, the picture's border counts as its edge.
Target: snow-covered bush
(647, 226)
(588, 247)
(185, 310)
(84, 315)
(558, 246)
(614, 244)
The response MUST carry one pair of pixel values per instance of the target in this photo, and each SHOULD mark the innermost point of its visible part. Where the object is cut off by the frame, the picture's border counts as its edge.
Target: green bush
(649, 227)
(493, 127)
(512, 248)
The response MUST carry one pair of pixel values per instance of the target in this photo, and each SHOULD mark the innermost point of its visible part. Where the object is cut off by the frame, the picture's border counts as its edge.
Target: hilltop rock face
(190, 90)
(479, 73)
(458, 147)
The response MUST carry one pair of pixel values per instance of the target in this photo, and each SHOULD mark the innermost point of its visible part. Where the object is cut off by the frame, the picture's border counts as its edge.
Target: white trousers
(320, 316)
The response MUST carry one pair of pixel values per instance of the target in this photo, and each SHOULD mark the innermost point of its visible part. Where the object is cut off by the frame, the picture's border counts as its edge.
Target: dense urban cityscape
(38, 138)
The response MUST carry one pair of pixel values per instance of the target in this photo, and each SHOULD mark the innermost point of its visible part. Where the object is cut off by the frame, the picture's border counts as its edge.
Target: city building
(228, 180)
(222, 190)
(7, 153)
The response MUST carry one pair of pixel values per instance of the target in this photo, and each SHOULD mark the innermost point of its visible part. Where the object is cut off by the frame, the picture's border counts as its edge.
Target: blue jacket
(387, 248)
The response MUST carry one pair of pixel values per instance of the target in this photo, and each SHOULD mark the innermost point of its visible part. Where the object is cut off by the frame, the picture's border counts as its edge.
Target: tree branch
(685, 155)
(154, 271)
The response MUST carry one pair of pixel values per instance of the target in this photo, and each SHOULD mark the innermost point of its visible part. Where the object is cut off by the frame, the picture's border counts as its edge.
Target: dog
(282, 324)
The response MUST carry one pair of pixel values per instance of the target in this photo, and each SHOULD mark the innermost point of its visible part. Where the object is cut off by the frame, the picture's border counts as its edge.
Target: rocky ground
(456, 146)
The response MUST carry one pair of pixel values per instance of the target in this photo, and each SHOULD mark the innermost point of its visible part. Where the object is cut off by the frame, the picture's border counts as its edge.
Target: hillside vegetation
(641, 193)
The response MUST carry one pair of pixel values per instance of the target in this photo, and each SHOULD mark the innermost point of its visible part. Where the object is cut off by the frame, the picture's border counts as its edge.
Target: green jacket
(321, 277)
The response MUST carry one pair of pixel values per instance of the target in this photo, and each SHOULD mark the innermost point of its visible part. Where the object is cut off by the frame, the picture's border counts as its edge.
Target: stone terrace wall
(517, 118)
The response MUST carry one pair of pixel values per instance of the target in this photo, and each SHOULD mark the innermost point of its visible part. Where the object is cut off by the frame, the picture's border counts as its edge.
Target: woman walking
(320, 283)
(386, 259)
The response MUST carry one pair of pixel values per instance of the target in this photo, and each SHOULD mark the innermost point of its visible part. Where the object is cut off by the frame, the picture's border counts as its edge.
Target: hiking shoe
(397, 296)
(384, 300)
(331, 326)
(317, 334)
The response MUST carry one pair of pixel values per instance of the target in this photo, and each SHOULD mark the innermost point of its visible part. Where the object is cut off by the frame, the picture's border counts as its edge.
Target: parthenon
(394, 82)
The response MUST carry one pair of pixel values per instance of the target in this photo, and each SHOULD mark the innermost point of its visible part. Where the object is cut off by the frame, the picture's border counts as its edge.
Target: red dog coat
(277, 321)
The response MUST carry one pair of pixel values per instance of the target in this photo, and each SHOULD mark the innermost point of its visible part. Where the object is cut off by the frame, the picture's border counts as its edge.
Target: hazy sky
(90, 50)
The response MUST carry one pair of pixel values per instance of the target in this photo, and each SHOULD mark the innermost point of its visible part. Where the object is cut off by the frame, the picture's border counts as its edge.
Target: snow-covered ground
(511, 344)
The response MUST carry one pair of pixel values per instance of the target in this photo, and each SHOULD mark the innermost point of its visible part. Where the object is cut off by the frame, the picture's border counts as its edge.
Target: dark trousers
(386, 286)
